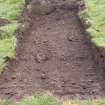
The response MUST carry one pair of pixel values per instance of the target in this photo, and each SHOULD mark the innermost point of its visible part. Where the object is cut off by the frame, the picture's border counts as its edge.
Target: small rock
(43, 76)
(13, 77)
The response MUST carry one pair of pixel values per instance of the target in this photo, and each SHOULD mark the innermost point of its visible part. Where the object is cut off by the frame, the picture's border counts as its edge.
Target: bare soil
(3, 22)
(53, 55)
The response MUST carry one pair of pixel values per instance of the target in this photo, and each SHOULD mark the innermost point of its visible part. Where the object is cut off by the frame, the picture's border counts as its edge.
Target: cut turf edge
(10, 10)
(50, 99)
(93, 19)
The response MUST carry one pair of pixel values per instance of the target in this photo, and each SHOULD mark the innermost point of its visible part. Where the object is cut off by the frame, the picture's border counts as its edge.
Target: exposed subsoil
(53, 55)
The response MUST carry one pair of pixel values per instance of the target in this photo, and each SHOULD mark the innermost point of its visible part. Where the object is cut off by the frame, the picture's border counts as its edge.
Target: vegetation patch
(49, 99)
(4, 102)
(94, 14)
(40, 99)
(10, 10)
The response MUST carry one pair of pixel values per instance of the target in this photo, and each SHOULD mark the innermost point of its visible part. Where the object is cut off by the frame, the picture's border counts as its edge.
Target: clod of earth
(3, 22)
(40, 57)
(43, 7)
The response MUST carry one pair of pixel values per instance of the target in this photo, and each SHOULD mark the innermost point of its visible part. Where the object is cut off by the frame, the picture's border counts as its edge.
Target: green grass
(4, 102)
(7, 42)
(8, 30)
(10, 10)
(40, 99)
(7, 48)
(49, 99)
(95, 14)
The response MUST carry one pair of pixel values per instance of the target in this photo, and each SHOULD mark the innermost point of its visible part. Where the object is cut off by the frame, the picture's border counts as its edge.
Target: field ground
(53, 54)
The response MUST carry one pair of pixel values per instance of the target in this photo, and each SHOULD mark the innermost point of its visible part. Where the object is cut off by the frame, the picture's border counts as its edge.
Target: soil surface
(3, 22)
(53, 55)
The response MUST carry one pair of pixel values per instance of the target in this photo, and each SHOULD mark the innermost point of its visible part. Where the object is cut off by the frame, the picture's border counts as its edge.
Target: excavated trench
(54, 55)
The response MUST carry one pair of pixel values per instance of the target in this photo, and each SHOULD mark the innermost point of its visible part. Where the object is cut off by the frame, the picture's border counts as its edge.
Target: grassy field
(95, 15)
(10, 10)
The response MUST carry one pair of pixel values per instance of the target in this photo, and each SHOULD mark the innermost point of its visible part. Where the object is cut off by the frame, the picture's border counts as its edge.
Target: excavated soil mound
(53, 55)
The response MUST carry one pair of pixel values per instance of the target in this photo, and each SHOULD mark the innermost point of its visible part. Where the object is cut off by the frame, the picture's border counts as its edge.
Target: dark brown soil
(3, 22)
(53, 55)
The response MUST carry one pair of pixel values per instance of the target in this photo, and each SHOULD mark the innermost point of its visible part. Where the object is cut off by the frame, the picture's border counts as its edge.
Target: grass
(8, 30)
(49, 99)
(40, 99)
(10, 10)
(4, 102)
(95, 15)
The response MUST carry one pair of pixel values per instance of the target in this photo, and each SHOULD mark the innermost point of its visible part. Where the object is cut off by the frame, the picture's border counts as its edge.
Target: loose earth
(53, 55)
